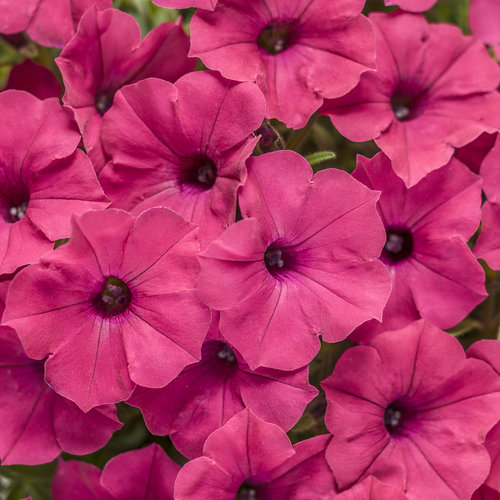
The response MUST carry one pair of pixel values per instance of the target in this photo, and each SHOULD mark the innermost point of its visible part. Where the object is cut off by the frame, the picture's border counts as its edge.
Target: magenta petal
(372, 489)
(487, 246)
(35, 79)
(412, 5)
(78, 481)
(144, 473)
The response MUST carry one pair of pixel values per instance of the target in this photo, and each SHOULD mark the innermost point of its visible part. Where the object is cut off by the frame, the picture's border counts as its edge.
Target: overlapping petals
(433, 90)
(412, 5)
(37, 423)
(255, 459)
(144, 473)
(107, 53)
(99, 314)
(297, 52)
(47, 22)
(398, 409)
(44, 179)
(302, 262)
(207, 394)
(187, 151)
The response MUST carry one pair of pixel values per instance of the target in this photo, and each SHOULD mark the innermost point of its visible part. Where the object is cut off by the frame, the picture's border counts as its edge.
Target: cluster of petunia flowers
(149, 255)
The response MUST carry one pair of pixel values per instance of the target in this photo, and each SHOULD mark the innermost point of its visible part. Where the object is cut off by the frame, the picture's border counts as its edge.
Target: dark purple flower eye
(275, 37)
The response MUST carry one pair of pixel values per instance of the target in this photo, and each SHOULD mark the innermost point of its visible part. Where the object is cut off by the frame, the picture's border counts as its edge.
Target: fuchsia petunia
(434, 273)
(35, 79)
(47, 22)
(207, 394)
(115, 307)
(254, 459)
(302, 262)
(298, 52)
(401, 407)
(484, 21)
(434, 90)
(488, 350)
(107, 53)
(37, 423)
(474, 153)
(44, 178)
(182, 146)
(488, 243)
(147, 473)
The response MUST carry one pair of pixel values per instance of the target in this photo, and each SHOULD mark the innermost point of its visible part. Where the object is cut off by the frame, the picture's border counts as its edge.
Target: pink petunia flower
(412, 5)
(44, 179)
(187, 150)
(488, 243)
(35, 79)
(297, 52)
(146, 473)
(254, 459)
(474, 153)
(37, 423)
(434, 273)
(488, 350)
(484, 21)
(47, 22)
(401, 407)
(107, 53)
(115, 307)
(302, 262)
(434, 90)
(207, 394)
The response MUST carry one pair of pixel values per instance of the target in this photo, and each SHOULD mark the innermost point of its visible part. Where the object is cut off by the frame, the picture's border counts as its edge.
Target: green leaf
(320, 157)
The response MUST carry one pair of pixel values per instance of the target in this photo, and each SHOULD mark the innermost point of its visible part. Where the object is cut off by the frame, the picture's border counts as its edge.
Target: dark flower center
(397, 418)
(103, 101)
(17, 212)
(114, 298)
(275, 37)
(227, 354)
(398, 245)
(273, 257)
(199, 172)
(14, 202)
(402, 107)
(246, 492)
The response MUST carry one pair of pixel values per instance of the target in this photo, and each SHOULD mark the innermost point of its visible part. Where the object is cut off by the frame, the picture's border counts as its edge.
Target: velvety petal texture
(37, 423)
(434, 273)
(47, 22)
(250, 457)
(147, 473)
(302, 262)
(297, 52)
(207, 394)
(44, 179)
(107, 53)
(434, 90)
(484, 21)
(187, 150)
(35, 79)
(99, 314)
(399, 408)
(371, 489)
(412, 5)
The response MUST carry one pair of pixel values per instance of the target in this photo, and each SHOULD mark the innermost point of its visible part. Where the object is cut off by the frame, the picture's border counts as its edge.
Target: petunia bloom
(144, 473)
(434, 90)
(401, 407)
(107, 53)
(302, 262)
(484, 21)
(297, 52)
(44, 178)
(434, 273)
(37, 423)
(371, 489)
(207, 394)
(99, 313)
(182, 146)
(250, 458)
(47, 22)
